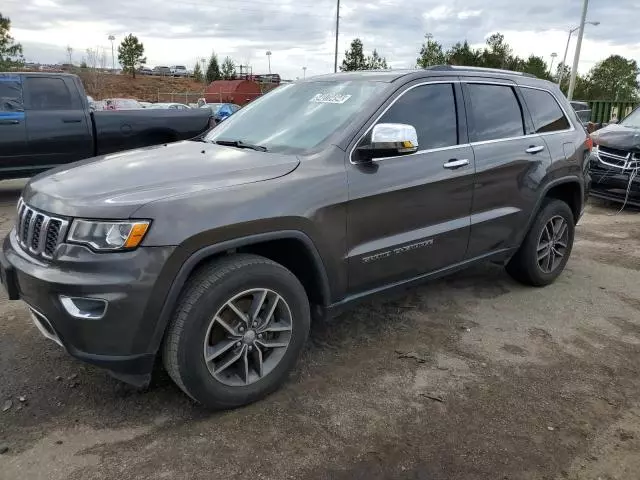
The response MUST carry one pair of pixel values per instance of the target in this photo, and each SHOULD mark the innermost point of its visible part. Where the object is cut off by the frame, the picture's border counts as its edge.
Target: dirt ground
(470, 377)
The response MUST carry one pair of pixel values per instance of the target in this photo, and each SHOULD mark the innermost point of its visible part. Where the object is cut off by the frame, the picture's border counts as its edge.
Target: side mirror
(390, 140)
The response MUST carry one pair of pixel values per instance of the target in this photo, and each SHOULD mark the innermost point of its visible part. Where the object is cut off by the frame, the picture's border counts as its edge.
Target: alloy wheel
(247, 337)
(552, 244)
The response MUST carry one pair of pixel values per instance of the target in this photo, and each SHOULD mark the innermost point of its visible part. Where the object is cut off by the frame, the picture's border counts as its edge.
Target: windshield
(297, 117)
(633, 120)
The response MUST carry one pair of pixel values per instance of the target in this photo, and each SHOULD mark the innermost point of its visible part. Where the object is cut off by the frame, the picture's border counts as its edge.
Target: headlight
(105, 235)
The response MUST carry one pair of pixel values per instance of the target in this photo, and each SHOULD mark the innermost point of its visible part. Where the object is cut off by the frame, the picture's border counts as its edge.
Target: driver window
(431, 109)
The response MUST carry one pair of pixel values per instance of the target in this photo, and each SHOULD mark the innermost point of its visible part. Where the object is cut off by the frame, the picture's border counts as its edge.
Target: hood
(618, 136)
(116, 185)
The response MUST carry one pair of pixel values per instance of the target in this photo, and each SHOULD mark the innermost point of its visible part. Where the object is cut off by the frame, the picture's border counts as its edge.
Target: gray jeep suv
(215, 254)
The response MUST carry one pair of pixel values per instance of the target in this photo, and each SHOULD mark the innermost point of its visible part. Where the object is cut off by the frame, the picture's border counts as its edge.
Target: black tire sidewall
(195, 375)
(529, 258)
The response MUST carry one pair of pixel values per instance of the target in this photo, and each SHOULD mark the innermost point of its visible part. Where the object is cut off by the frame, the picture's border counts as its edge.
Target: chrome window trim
(469, 144)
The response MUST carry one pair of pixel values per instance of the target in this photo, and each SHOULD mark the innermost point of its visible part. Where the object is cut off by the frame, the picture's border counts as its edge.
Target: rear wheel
(237, 332)
(546, 249)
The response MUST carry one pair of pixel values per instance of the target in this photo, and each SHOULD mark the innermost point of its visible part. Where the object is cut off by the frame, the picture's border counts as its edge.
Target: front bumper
(614, 183)
(116, 341)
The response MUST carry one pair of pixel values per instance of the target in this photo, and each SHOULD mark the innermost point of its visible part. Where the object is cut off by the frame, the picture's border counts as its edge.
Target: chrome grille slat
(38, 233)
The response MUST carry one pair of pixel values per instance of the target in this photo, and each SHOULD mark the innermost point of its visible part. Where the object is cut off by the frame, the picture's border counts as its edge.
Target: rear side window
(545, 111)
(495, 112)
(48, 94)
(431, 109)
(10, 93)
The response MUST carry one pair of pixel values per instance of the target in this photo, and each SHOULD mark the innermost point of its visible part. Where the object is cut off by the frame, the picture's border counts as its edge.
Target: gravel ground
(469, 377)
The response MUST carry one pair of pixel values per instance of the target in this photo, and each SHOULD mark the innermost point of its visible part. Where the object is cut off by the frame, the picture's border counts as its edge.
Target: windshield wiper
(241, 144)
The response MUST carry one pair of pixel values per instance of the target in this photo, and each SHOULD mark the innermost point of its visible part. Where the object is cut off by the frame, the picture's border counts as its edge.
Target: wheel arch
(284, 247)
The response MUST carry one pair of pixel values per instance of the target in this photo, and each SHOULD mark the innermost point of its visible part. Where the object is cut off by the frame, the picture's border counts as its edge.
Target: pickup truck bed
(45, 121)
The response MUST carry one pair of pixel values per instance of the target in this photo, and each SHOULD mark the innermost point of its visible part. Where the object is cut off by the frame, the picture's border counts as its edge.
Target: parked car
(583, 111)
(221, 111)
(145, 71)
(179, 71)
(121, 104)
(615, 161)
(169, 106)
(46, 121)
(215, 254)
(92, 103)
(162, 71)
(145, 104)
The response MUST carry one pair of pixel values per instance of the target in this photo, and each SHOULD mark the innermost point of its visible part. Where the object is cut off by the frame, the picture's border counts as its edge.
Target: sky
(301, 33)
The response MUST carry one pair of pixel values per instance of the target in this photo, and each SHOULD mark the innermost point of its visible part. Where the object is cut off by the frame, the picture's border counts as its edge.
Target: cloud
(302, 32)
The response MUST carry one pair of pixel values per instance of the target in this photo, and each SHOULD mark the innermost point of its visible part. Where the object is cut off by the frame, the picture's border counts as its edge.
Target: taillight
(589, 143)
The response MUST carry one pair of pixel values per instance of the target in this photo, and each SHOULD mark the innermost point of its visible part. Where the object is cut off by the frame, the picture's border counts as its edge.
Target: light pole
(304, 72)
(566, 50)
(576, 56)
(269, 59)
(203, 61)
(553, 57)
(113, 58)
(335, 58)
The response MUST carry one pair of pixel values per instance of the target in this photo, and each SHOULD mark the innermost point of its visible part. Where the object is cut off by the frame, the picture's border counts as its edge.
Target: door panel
(510, 160)
(57, 126)
(409, 215)
(13, 134)
(504, 191)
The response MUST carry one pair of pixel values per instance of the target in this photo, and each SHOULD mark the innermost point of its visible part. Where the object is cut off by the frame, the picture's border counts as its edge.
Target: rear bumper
(117, 340)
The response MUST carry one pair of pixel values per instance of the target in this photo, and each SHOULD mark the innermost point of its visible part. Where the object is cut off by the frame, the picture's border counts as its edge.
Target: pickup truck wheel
(547, 246)
(237, 331)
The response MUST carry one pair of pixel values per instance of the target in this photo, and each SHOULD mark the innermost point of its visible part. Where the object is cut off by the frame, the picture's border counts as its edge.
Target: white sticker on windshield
(330, 98)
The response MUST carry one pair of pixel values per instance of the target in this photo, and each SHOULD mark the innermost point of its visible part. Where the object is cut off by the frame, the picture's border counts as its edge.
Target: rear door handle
(71, 120)
(453, 163)
(9, 122)
(535, 149)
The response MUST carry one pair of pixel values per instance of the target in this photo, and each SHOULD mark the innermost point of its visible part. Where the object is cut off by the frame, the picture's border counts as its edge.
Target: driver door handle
(534, 149)
(454, 163)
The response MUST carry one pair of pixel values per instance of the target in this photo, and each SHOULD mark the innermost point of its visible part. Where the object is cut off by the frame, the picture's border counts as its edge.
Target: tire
(284, 317)
(525, 266)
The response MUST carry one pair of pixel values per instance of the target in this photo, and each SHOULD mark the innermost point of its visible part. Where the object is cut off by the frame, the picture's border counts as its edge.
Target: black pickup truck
(45, 121)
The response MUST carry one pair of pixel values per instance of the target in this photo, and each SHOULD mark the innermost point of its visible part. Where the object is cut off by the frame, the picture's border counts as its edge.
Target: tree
(431, 53)
(130, 54)
(213, 69)
(83, 64)
(228, 70)
(463, 54)
(354, 58)
(614, 77)
(536, 66)
(497, 53)
(197, 73)
(376, 62)
(10, 52)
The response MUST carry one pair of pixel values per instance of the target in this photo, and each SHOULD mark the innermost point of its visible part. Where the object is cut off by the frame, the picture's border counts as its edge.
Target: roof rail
(444, 68)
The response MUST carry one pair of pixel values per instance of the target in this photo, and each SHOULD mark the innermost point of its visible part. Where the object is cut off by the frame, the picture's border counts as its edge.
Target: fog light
(84, 308)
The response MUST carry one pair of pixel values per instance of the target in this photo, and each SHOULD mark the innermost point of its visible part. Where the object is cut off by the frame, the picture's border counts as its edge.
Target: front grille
(37, 232)
(621, 159)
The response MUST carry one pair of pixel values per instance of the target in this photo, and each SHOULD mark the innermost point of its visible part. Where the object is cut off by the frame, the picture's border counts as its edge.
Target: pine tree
(354, 57)
(430, 54)
(228, 69)
(376, 62)
(197, 73)
(213, 69)
(130, 54)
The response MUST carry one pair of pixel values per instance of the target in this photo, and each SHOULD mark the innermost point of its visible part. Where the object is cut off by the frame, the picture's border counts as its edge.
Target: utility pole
(576, 57)
(304, 72)
(553, 57)
(269, 58)
(335, 58)
(113, 57)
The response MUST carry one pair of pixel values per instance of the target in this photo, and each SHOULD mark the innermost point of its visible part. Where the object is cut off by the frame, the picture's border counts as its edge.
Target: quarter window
(546, 113)
(495, 112)
(431, 109)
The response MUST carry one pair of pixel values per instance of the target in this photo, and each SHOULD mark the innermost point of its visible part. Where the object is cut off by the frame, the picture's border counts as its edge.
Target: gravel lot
(470, 377)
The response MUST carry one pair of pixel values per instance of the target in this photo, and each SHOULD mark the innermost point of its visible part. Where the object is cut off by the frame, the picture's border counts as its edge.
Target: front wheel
(237, 332)
(546, 249)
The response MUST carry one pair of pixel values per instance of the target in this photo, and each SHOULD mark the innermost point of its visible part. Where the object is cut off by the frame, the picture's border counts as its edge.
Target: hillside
(146, 88)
